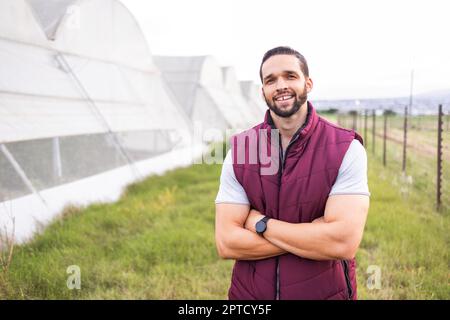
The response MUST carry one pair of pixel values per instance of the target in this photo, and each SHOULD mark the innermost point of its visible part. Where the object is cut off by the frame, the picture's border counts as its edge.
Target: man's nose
(281, 85)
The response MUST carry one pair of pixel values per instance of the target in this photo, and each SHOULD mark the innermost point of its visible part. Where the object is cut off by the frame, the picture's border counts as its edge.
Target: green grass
(406, 238)
(157, 242)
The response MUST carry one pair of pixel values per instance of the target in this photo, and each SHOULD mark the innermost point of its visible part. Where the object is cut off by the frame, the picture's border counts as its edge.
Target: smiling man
(294, 234)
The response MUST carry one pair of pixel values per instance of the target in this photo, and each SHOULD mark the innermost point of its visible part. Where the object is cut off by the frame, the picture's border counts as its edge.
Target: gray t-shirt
(351, 179)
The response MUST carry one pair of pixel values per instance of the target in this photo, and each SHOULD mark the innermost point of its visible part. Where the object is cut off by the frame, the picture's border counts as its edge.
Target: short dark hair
(287, 51)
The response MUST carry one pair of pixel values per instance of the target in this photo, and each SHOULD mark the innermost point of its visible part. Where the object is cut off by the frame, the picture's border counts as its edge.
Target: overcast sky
(355, 49)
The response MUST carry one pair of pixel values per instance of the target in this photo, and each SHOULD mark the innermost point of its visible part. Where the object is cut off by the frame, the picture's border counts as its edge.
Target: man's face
(285, 88)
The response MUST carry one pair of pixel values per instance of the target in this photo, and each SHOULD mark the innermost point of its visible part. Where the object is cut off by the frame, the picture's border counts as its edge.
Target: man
(294, 234)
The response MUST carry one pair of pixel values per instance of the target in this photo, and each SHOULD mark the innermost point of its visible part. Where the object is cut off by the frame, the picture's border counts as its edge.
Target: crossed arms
(334, 236)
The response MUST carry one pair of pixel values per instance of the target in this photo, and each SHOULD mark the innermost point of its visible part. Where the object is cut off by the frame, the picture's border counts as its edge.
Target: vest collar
(305, 130)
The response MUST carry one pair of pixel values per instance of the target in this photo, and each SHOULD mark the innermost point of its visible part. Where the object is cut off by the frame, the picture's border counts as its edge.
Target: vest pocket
(347, 278)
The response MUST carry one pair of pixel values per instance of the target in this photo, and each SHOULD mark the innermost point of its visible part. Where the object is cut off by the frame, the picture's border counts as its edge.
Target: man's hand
(319, 220)
(253, 217)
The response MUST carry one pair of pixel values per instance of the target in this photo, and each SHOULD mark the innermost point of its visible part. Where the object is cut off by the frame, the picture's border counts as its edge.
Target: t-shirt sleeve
(230, 190)
(352, 176)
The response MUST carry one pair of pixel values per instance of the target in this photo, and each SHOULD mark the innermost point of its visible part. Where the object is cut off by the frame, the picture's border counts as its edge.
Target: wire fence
(415, 146)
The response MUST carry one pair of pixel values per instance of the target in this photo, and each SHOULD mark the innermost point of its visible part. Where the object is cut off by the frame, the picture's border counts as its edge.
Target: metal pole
(384, 139)
(405, 135)
(57, 166)
(361, 120)
(365, 127)
(21, 173)
(411, 93)
(373, 131)
(439, 160)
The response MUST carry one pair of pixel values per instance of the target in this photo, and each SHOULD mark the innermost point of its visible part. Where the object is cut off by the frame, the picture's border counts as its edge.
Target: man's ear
(309, 85)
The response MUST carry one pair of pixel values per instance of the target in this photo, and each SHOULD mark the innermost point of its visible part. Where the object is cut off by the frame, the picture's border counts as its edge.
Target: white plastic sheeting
(18, 24)
(80, 99)
(253, 95)
(198, 83)
(233, 88)
(71, 80)
(98, 29)
(50, 13)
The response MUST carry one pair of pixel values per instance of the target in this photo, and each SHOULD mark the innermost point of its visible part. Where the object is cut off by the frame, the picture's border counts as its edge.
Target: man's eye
(269, 81)
(291, 76)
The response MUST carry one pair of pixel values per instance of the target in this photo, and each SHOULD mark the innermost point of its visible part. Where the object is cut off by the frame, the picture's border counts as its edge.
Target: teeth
(283, 98)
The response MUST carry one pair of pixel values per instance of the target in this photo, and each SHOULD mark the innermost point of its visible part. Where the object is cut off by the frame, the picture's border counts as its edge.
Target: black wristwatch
(261, 225)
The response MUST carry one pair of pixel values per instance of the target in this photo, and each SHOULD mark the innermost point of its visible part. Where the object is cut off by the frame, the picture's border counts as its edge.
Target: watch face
(260, 226)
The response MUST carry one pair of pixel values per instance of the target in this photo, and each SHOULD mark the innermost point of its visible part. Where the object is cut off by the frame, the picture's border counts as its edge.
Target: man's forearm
(242, 244)
(335, 236)
(316, 241)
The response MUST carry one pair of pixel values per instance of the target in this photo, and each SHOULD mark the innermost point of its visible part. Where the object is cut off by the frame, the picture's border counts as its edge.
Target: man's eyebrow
(284, 71)
(290, 72)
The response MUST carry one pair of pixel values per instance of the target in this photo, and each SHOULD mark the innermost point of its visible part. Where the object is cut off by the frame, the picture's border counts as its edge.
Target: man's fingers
(319, 220)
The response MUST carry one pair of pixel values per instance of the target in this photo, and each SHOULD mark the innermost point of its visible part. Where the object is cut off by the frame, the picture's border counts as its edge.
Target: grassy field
(157, 242)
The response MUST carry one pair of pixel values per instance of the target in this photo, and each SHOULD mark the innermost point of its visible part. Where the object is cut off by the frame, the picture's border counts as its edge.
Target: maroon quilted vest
(297, 193)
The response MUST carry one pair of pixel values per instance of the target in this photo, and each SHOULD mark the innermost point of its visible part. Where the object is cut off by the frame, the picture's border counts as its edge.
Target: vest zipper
(277, 289)
(347, 279)
(283, 158)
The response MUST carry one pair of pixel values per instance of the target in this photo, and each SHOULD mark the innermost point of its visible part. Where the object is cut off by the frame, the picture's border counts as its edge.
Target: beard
(299, 100)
